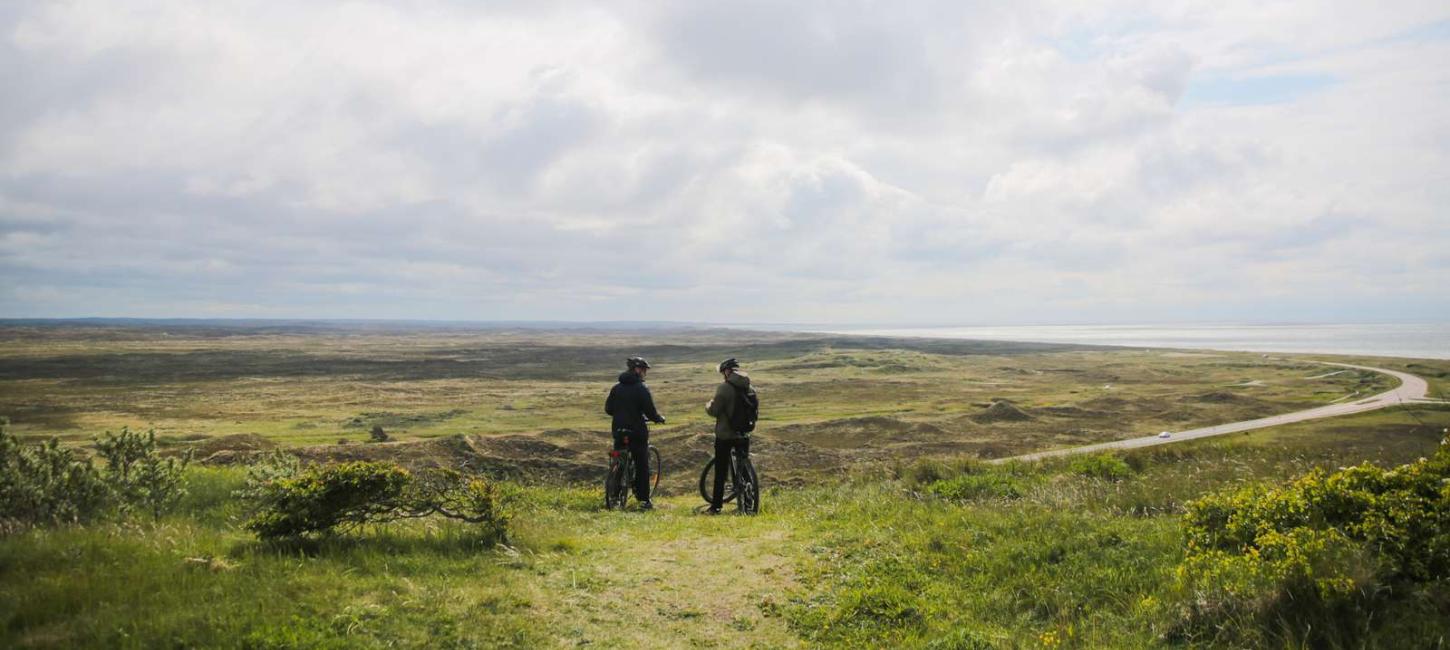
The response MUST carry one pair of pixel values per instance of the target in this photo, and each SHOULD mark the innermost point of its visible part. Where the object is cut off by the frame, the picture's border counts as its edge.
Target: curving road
(1411, 389)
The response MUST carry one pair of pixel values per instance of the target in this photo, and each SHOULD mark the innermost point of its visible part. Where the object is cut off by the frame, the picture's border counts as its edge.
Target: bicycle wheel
(749, 489)
(616, 486)
(707, 484)
(611, 483)
(626, 481)
(656, 468)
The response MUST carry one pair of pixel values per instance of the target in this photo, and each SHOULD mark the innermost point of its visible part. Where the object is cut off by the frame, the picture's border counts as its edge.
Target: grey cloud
(802, 50)
(805, 161)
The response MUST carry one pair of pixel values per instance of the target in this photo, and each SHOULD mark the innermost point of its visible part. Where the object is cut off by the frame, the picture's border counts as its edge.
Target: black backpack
(747, 409)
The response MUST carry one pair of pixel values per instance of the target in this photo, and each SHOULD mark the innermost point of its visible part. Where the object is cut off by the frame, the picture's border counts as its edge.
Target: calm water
(1416, 340)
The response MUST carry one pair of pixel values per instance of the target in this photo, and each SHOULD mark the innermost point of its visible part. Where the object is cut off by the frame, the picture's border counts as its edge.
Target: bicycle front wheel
(749, 486)
(707, 484)
(656, 468)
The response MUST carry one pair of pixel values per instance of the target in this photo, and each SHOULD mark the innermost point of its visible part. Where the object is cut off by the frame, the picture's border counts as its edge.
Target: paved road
(1411, 389)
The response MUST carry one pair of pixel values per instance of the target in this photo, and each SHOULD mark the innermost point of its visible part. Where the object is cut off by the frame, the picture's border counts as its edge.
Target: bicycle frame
(743, 481)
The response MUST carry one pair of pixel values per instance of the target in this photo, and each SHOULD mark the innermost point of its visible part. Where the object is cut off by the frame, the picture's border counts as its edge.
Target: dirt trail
(1411, 389)
(671, 578)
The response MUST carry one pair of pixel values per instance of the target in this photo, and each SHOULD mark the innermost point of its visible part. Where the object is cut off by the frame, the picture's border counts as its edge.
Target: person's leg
(639, 450)
(722, 471)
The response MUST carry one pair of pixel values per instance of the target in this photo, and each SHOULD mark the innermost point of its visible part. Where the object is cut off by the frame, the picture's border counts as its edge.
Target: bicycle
(744, 482)
(620, 478)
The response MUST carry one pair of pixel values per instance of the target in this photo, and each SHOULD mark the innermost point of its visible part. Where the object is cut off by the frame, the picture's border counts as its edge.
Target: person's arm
(649, 407)
(722, 397)
(609, 403)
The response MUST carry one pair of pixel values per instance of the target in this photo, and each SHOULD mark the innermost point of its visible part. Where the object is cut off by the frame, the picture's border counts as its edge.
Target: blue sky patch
(1220, 90)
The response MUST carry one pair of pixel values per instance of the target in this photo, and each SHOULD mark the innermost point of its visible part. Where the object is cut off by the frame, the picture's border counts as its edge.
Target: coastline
(1393, 340)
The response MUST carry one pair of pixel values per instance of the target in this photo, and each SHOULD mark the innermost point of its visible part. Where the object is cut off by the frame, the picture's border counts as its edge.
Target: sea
(1410, 340)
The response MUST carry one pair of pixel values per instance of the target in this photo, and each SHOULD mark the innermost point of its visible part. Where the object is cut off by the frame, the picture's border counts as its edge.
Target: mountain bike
(620, 478)
(743, 483)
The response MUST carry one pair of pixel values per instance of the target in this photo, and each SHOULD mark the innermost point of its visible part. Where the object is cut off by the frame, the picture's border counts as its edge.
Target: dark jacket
(631, 404)
(725, 403)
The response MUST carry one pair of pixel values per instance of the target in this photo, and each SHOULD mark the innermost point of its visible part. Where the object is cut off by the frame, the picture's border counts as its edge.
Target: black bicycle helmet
(636, 362)
(728, 364)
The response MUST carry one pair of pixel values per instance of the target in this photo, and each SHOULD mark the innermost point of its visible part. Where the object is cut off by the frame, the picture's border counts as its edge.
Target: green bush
(926, 471)
(50, 484)
(269, 468)
(1317, 555)
(140, 479)
(46, 484)
(968, 487)
(320, 500)
(1101, 466)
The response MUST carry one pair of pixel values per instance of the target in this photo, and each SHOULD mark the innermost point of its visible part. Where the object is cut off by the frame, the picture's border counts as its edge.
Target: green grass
(195, 579)
(1071, 558)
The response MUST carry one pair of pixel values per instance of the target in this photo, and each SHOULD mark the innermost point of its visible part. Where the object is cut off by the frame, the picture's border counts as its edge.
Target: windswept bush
(320, 500)
(1316, 555)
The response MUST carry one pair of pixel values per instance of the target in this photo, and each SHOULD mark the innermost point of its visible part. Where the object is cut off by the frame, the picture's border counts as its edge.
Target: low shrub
(1314, 558)
(968, 487)
(291, 502)
(48, 484)
(1101, 466)
(930, 470)
(926, 472)
(140, 479)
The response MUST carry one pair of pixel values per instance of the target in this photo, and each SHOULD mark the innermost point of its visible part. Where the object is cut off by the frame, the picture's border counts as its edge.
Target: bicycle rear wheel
(707, 484)
(616, 483)
(611, 481)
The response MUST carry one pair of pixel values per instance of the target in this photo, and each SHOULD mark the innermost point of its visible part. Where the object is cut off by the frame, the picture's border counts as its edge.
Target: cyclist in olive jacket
(722, 407)
(631, 404)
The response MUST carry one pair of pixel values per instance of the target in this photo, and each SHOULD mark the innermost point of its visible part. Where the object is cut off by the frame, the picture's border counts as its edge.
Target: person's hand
(709, 403)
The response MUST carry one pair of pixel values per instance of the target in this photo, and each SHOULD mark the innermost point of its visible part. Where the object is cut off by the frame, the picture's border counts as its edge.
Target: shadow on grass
(441, 541)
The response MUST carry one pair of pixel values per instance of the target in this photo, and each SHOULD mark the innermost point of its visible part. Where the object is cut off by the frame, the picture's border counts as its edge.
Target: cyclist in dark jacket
(631, 404)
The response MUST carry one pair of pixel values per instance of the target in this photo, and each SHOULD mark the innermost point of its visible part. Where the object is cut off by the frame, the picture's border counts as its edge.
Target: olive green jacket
(724, 404)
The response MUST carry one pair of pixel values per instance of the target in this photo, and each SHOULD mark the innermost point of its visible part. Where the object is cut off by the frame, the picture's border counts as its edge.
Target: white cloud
(805, 161)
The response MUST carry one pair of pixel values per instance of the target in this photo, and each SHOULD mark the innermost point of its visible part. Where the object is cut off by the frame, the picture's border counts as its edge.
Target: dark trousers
(722, 466)
(638, 446)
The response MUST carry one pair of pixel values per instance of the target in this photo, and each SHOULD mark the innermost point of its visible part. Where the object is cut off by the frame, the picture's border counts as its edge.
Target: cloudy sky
(885, 162)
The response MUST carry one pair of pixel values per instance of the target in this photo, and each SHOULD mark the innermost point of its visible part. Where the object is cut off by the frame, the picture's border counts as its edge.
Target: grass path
(669, 578)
